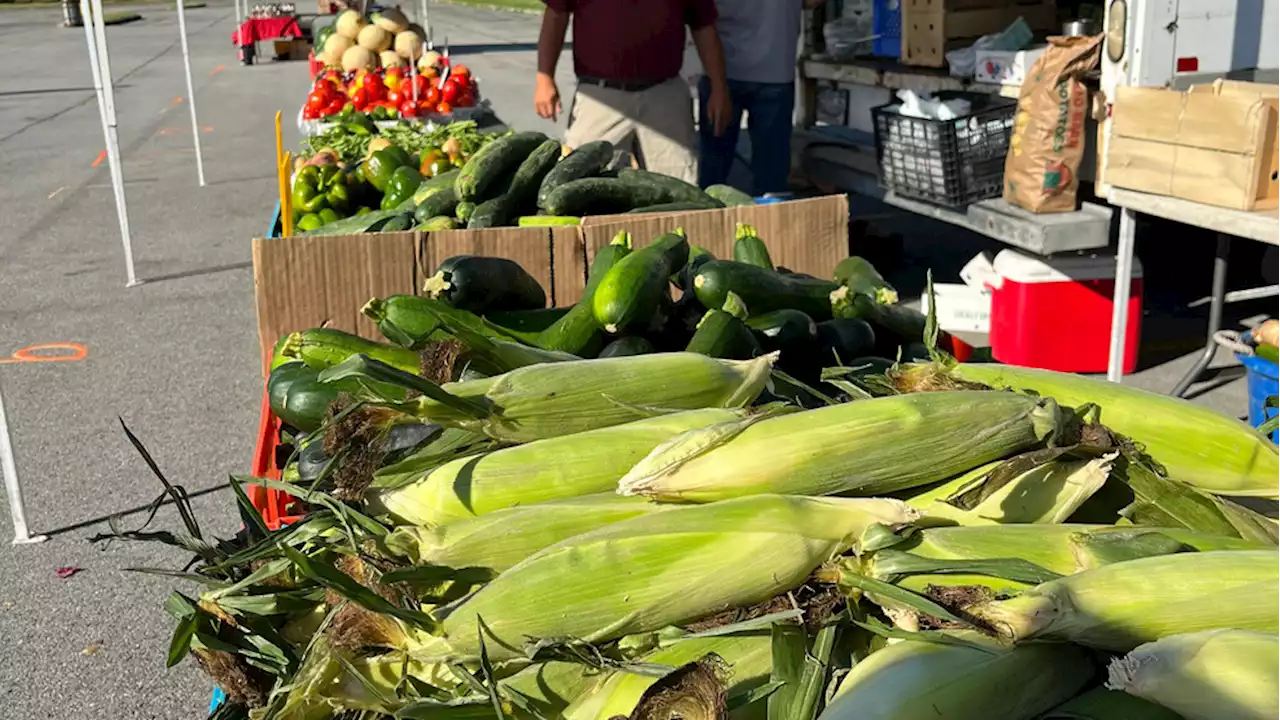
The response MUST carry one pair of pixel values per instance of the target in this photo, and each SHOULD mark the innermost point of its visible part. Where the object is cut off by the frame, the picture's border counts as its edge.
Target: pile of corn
(652, 537)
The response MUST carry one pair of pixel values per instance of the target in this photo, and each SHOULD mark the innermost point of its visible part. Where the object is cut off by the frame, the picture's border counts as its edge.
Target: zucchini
(439, 222)
(762, 290)
(463, 211)
(749, 248)
(602, 196)
(844, 338)
(435, 184)
(630, 296)
(868, 366)
(904, 323)
(671, 207)
(526, 321)
(401, 222)
(494, 212)
(730, 196)
(590, 159)
(296, 396)
(861, 276)
(578, 332)
(548, 221)
(484, 284)
(698, 256)
(412, 321)
(443, 202)
(625, 346)
(724, 333)
(529, 176)
(677, 190)
(322, 348)
(494, 162)
(785, 329)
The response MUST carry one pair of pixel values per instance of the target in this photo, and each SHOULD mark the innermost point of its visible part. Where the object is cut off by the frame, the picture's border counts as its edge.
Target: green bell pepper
(382, 164)
(404, 183)
(309, 221)
(306, 194)
(338, 197)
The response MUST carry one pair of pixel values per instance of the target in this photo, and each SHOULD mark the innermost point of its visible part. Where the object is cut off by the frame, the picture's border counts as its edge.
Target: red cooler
(1055, 313)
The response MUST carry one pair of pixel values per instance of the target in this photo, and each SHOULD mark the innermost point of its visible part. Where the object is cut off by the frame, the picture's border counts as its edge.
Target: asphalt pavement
(175, 358)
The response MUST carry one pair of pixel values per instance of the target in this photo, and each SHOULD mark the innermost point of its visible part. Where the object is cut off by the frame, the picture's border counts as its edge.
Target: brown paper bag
(1048, 132)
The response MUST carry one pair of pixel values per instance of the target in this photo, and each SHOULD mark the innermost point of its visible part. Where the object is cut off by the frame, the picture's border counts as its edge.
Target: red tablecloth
(255, 29)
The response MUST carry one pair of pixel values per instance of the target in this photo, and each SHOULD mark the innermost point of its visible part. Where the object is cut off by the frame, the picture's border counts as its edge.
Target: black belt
(623, 85)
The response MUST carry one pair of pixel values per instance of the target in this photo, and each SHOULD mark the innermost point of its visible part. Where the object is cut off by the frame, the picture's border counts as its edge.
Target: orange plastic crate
(277, 508)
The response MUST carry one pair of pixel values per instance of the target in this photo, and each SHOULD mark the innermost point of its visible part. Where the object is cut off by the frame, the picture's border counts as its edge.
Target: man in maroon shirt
(627, 56)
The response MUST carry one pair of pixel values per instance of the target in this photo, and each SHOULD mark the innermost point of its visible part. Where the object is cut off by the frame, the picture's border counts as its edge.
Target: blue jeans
(769, 108)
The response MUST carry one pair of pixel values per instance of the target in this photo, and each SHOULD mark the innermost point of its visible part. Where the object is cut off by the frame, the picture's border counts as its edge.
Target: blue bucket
(1263, 380)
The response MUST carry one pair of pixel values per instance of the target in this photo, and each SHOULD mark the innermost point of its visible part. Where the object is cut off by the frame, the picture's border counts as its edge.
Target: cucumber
(588, 160)
(412, 321)
(578, 332)
(494, 212)
(785, 330)
(724, 333)
(442, 202)
(762, 290)
(730, 196)
(484, 284)
(296, 396)
(672, 207)
(491, 164)
(439, 222)
(548, 221)
(625, 346)
(527, 321)
(602, 196)
(322, 348)
(529, 176)
(861, 276)
(677, 190)
(841, 339)
(631, 295)
(463, 211)
(749, 248)
(433, 185)
(399, 223)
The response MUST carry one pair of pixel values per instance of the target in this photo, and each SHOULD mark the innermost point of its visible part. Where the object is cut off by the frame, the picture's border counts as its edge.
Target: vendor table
(1260, 226)
(269, 28)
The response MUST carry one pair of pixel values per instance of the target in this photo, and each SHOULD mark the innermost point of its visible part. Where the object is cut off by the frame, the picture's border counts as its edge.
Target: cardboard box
(932, 27)
(1005, 67)
(1214, 144)
(304, 282)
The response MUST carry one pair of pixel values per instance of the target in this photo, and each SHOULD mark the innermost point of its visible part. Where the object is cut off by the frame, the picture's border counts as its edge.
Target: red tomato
(394, 97)
(425, 108)
(466, 99)
(407, 108)
(423, 85)
(376, 90)
(459, 71)
(335, 107)
(450, 91)
(444, 108)
(317, 100)
(432, 96)
(360, 99)
(310, 113)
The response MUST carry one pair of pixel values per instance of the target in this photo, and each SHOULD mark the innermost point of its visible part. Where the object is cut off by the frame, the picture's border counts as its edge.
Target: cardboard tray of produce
(303, 282)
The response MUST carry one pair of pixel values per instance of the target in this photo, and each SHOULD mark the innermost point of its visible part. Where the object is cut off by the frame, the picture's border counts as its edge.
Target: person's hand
(546, 97)
(719, 109)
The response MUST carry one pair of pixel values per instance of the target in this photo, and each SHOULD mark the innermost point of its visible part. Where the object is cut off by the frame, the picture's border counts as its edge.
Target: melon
(349, 24)
(336, 45)
(408, 45)
(389, 58)
(374, 38)
(391, 20)
(429, 59)
(358, 57)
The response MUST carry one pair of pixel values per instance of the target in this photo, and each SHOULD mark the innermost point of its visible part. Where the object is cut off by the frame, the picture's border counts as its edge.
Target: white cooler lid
(1028, 269)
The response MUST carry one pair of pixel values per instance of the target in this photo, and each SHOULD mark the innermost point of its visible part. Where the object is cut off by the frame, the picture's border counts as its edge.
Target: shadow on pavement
(198, 272)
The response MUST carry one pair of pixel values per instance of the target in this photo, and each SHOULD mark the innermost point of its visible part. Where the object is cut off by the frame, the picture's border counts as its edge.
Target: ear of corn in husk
(553, 399)
(1213, 675)
(556, 468)
(747, 659)
(663, 569)
(1103, 704)
(1159, 500)
(916, 679)
(1195, 444)
(504, 537)
(1120, 606)
(867, 447)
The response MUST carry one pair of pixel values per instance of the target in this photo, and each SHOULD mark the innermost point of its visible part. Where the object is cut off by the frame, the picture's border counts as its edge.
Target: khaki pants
(655, 124)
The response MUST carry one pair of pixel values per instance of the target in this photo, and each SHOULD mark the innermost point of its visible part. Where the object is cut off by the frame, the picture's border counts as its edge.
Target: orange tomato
(444, 108)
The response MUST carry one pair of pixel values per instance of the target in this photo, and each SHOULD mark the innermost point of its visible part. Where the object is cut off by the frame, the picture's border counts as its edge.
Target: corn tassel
(915, 680)
(1211, 675)
(663, 569)
(868, 447)
(1120, 606)
(557, 468)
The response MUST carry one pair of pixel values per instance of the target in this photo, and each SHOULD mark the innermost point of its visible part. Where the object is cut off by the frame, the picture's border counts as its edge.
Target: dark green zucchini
(297, 396)
(844, 338)
(485, 284)
(723, 333)
(625, 346)
(785, 329)
(673, 207)
(529, 176)
(527, 321)
(322, 348)
(463, 211)
(749, 248)
(861, 276)
(578, 332)
(548, 221)
(442, 202)
(439, 222)
(630, 296)
(698, 256)
(905, 323)
(730, 196)
(494, 162)
(434, 185)
(677, 190)
(762, 290)
(867, 366)
(602, 196)
(586, 161)
(399, 223)
(494, 212)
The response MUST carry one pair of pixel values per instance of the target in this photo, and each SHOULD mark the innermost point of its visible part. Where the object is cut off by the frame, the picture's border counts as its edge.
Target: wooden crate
(932, 27)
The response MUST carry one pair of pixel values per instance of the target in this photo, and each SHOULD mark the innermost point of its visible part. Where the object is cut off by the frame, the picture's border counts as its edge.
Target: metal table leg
(1120, 297)
(1216, 300)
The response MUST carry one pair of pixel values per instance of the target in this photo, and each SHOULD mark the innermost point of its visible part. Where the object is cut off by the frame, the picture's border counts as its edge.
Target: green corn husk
(561, 467)
(916, 680)
(868, 447)
(1120, 606)
(1103, 704)
(554, 399)
(503, 538)
(1213, 675)
(663, 569)
(748, 658)
(1195, 444)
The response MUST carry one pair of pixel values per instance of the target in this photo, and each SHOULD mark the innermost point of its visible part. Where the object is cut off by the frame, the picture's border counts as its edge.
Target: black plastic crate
(947, 162)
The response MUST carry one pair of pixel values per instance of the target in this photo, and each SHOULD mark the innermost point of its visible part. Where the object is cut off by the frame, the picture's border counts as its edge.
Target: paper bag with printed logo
(1048, 138)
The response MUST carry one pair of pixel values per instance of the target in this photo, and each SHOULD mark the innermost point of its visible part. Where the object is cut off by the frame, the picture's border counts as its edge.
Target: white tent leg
(99, 47)
(1120, 298)
(21, 535)
(191, 93)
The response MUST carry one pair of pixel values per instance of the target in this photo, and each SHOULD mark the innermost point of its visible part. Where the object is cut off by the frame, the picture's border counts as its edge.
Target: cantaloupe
(358, 57)
(349, 24)
(391, 20)
(429, 59)
(374, 38)
(336, 45)
(408, 45)
(389, 58)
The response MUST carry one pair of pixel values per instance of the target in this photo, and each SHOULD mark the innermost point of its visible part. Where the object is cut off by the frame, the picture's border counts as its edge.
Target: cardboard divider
(568, 265)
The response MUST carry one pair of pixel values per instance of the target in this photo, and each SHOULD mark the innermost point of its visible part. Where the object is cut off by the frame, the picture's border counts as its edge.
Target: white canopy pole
(191, 93)
(9, 468)
(100, 63)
